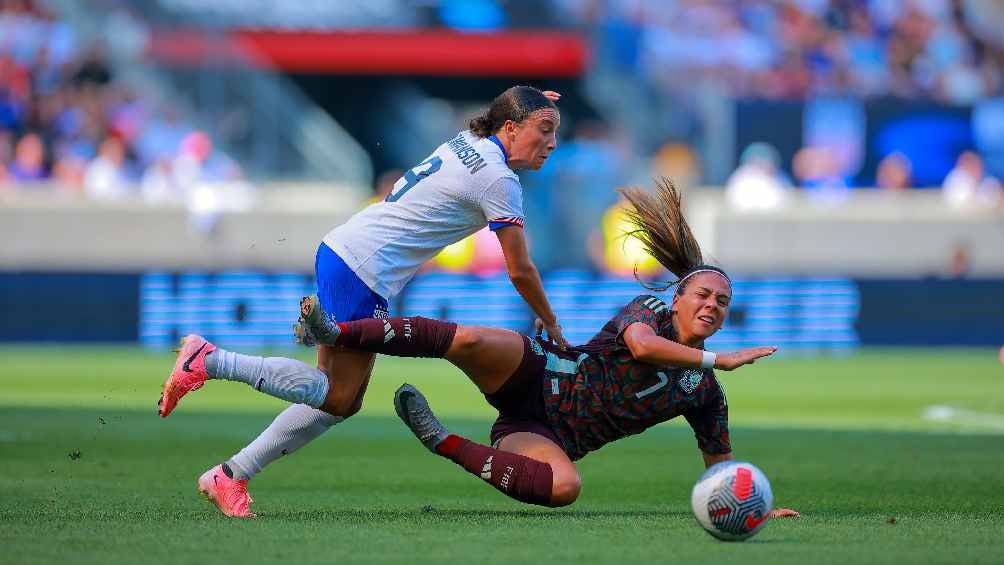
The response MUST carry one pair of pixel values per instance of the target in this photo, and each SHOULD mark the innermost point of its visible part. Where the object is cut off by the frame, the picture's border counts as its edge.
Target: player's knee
(466, 340)
(565, 490)
(356, 406)
(342, 405)
(343, 411)
(338, 410)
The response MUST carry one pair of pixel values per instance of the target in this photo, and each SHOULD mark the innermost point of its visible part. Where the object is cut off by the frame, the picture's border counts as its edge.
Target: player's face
(532, 140)
(703, 306)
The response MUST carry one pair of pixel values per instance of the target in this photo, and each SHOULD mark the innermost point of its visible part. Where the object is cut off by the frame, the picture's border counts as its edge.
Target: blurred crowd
(67, 122)
(595, 156)
(951, 50)
(948, 51)
(760, 184)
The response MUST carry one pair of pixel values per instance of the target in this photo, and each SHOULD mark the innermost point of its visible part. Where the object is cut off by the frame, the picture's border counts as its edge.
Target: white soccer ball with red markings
(732, 499)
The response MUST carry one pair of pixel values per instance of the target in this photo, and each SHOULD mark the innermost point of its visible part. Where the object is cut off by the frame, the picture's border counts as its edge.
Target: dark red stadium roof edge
(441, 53)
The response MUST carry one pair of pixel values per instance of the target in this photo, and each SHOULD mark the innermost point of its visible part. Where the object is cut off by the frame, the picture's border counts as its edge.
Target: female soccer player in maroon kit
(647, 365)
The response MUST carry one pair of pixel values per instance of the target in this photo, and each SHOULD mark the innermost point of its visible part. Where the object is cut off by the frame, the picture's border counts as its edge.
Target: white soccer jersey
(464, 185)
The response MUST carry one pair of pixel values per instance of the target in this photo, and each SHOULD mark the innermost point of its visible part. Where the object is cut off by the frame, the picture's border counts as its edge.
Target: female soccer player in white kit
(464, 185)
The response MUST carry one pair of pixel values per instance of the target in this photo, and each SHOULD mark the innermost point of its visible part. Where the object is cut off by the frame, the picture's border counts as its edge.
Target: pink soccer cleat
(229, 495)
(189, 372)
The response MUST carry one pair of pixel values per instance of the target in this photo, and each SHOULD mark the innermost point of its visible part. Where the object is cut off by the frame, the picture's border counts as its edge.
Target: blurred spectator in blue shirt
(572, 193)
(29, 160)
(472, 15)
(818, 174)
(895, 172)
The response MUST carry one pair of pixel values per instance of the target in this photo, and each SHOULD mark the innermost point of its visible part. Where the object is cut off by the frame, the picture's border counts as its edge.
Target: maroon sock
(403, 337)
(516, 476)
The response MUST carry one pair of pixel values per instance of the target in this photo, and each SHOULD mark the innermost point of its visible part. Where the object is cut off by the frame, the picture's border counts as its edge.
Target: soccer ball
(731, 500)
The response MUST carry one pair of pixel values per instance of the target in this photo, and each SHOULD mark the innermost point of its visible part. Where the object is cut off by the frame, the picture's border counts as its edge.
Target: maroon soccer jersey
(600, 393)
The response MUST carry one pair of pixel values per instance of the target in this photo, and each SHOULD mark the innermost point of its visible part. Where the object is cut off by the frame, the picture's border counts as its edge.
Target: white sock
(293, 428)
(280, 377)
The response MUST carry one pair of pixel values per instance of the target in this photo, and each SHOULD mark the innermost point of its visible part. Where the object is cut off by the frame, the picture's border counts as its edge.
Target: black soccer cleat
(414, 411)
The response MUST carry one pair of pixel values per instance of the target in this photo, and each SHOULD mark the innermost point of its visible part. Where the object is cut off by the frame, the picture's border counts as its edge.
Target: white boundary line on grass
(963, 416)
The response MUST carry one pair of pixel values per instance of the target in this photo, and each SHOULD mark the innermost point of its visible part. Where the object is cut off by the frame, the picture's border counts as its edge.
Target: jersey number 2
(411, 178)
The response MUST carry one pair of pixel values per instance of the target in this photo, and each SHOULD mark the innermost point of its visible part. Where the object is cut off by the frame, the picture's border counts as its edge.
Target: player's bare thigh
(348, 374)
(565, 481)
(489, 356)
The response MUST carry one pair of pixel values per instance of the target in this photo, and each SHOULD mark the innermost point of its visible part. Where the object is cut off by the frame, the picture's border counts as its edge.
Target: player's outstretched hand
(552, 95)
(554, 333)
(783, 513)
(736, 359)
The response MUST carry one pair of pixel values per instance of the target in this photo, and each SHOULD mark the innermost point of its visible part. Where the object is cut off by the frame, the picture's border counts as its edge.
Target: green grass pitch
(891, 456)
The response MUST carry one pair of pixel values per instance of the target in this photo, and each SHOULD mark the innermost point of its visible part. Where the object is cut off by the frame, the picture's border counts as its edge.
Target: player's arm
(649, 347)
(525, 277)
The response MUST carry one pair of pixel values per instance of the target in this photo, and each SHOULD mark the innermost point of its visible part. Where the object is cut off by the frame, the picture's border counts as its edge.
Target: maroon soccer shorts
(520, 401)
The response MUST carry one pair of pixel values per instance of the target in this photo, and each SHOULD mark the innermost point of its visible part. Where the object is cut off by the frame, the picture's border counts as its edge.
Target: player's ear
(676, 298)
(509, 127)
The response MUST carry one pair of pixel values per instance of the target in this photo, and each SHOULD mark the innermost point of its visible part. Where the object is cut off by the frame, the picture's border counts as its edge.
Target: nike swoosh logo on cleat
(186, 367)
